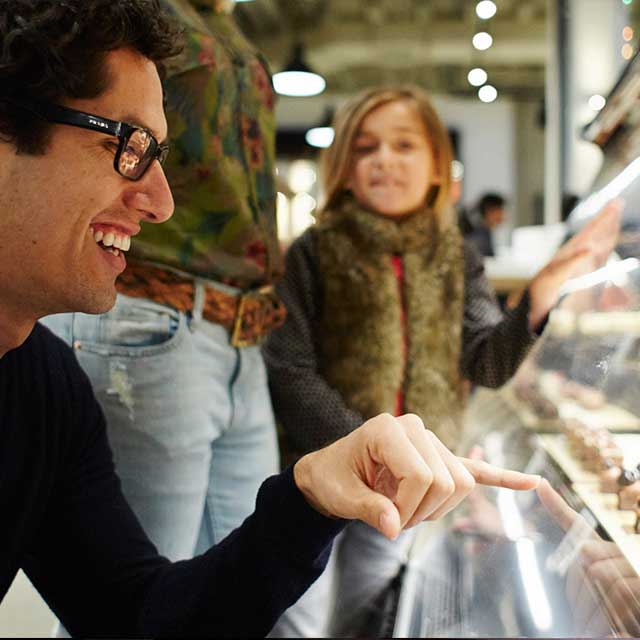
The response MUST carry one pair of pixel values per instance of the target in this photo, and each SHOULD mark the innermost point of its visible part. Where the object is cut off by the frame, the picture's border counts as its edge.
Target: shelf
(618, 524)
(557, 446)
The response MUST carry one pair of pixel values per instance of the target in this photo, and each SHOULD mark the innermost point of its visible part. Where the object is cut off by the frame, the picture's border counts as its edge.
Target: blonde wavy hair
(337, 160)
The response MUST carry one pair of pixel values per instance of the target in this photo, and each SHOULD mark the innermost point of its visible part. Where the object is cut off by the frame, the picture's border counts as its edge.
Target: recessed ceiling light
(477, 77)
(486, 9)
(488, 93)
(482, 40)
(596, 102)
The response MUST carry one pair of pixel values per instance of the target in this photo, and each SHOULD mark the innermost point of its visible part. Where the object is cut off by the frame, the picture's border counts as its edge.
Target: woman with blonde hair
(390, 310)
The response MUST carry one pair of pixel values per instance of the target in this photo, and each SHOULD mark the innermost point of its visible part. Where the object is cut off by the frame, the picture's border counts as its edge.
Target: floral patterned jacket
(220, 110)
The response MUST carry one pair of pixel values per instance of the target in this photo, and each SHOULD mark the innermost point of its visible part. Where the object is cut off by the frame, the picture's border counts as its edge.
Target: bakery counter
(553, 563)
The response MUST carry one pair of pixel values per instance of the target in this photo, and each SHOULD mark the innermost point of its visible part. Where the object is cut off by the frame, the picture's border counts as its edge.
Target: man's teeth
(114, 240)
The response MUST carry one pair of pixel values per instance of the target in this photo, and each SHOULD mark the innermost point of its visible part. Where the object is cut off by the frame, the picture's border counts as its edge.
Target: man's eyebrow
(134, 122)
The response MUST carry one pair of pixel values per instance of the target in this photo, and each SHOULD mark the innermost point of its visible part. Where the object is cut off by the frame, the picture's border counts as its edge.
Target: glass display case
(562, 564)
(563, 561)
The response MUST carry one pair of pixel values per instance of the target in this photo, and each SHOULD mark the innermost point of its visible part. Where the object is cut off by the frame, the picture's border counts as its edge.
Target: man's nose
(153, 199)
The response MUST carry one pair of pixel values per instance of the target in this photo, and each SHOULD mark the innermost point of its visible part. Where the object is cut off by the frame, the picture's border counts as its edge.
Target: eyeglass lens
(137, 153)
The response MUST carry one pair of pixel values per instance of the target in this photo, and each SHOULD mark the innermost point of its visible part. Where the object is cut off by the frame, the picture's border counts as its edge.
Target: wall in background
(501, 145)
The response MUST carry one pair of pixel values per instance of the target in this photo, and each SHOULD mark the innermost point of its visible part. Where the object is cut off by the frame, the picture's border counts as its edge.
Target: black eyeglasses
(137, 147)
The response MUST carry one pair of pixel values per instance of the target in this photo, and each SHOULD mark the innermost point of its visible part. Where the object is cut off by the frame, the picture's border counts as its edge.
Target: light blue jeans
(362, 565)
(189, 417)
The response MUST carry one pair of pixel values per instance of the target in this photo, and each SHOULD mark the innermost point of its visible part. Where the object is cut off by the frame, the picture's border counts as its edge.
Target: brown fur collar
(362, 321)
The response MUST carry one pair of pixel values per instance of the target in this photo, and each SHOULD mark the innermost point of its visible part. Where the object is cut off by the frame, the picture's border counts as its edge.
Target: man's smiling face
(60, 209)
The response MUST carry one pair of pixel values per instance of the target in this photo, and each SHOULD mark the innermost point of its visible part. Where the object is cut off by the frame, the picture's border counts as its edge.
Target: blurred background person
(483, 219)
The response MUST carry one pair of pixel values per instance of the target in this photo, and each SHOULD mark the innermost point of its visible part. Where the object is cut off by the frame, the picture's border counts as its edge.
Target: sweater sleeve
(102, 576)
(494, 343)
(312, 413)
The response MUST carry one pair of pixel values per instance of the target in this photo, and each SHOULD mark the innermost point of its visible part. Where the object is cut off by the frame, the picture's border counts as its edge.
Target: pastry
(609, 477)
(629, 490)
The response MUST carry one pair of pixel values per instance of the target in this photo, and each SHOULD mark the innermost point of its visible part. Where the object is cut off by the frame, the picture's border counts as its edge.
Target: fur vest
(378, 338)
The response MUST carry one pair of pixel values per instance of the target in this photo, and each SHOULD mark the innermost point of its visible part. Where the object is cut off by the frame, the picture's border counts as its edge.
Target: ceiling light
(627, 33)
(596, 102)
(302, 176)
(486, 9)
(482, 40)
(297, 78)
(477, 77)
(627, 51)
(488, 93)
(320, 137)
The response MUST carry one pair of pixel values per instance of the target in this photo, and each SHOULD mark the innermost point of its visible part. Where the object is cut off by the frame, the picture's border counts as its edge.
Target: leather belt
(248, 316)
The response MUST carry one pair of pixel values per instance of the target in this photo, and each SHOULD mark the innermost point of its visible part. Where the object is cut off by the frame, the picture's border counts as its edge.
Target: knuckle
(447, 488)
(380, 424)
(425, 475)
(433, 437)
(414, 423)
(380, 419)
(466, 482)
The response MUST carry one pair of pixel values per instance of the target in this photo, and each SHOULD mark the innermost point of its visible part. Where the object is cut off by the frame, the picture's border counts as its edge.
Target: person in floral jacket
(176, 365)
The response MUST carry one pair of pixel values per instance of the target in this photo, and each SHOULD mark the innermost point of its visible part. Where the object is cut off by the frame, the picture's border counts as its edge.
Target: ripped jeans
(189, 418)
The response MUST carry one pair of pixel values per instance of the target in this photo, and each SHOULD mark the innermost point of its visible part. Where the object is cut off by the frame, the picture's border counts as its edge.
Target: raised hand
(586, 251)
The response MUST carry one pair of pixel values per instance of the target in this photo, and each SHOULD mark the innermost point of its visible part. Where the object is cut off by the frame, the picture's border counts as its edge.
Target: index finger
(488, 474)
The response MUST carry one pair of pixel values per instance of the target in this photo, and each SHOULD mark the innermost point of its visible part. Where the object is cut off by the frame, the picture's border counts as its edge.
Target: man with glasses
(178, 359)
(81, 128)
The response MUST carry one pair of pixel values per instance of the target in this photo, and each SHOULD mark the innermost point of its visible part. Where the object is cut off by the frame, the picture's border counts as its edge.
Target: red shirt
(398, 268)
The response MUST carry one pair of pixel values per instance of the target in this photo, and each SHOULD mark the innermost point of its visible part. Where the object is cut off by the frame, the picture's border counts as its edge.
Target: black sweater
(67, 525)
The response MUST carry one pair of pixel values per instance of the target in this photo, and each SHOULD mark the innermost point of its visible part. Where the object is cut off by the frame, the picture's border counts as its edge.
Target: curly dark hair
(56, 49)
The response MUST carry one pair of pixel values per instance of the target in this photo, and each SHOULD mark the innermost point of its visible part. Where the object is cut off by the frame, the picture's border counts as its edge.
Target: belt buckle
(257, 331)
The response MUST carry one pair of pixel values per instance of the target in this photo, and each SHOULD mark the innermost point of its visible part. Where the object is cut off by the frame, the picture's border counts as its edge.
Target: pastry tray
(614, 418)
(611, 416)
(526, 416)
(557, 446)
(618, 524)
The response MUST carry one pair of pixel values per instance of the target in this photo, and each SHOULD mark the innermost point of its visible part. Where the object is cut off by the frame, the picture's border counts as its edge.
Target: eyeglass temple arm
(62, 115)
